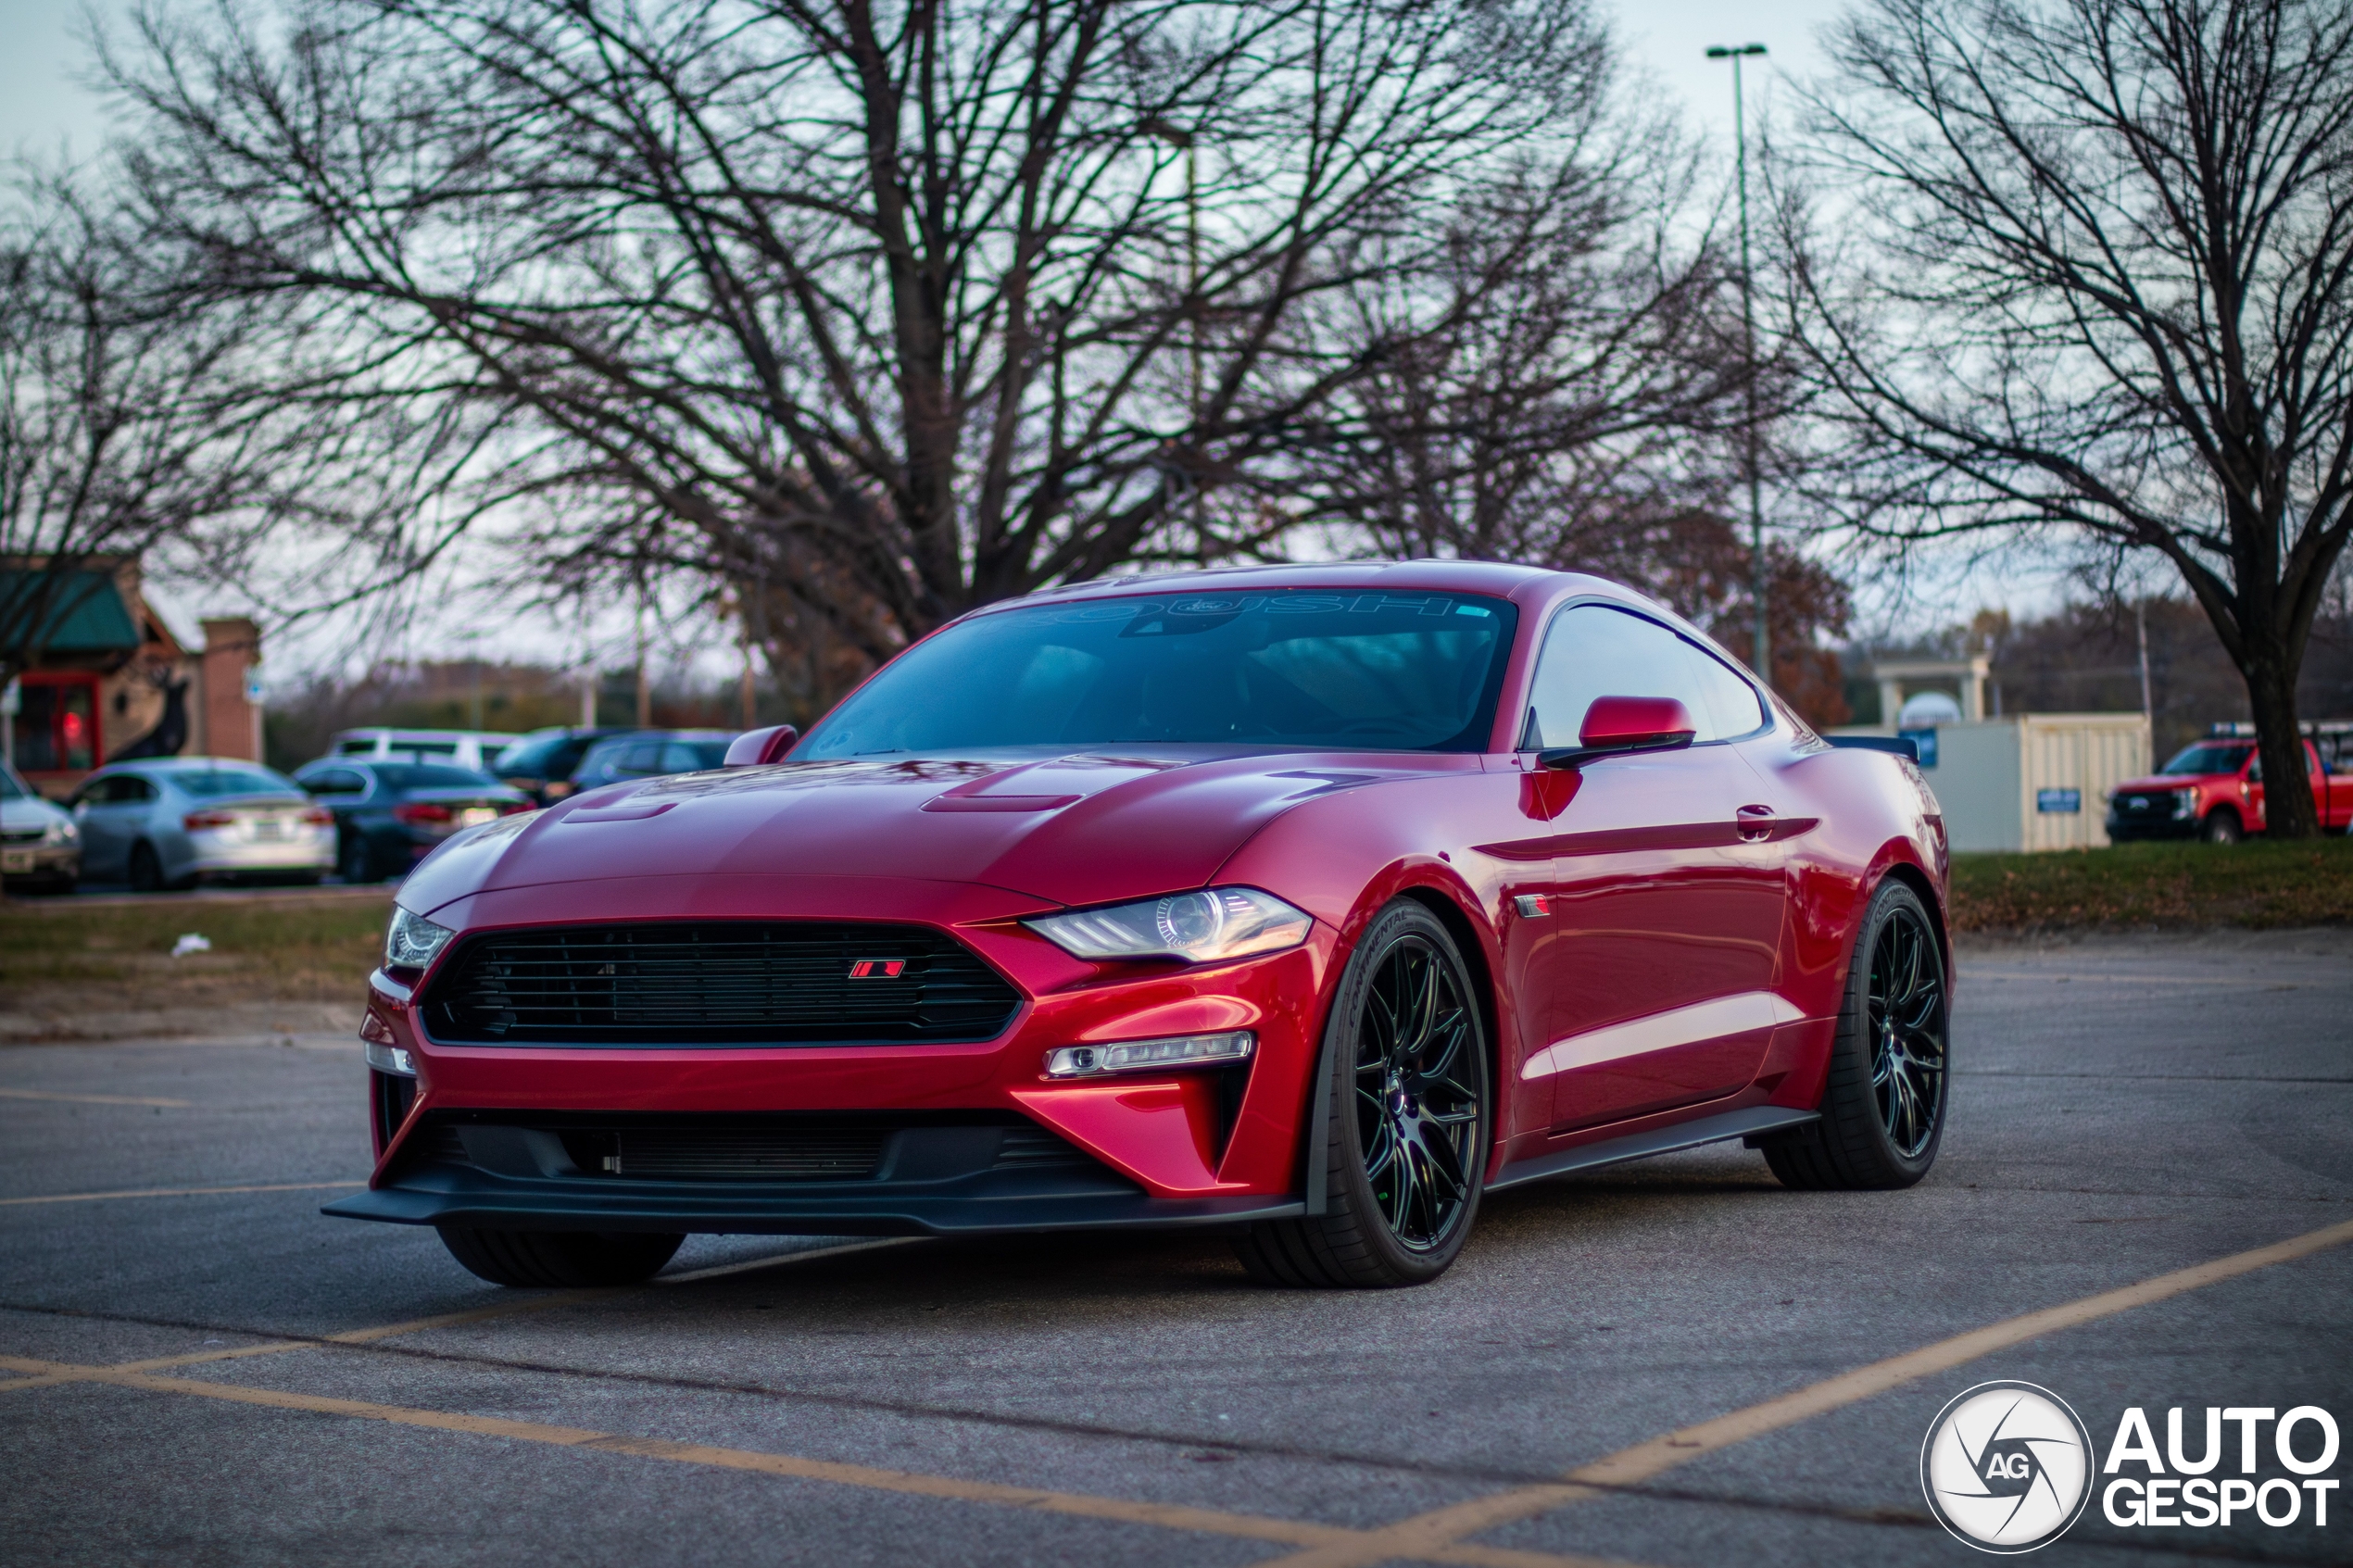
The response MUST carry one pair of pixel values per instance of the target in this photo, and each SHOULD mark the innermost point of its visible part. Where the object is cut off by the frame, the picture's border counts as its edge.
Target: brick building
(112, 681)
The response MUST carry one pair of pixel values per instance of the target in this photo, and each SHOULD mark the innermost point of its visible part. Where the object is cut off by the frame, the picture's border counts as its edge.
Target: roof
(86, 612)
(1501, 579)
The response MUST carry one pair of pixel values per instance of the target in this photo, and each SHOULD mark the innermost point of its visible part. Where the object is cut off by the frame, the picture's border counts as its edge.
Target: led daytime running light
(1149, 1056)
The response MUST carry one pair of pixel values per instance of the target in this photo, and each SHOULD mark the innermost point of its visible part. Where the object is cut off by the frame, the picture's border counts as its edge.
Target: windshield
(215, 782)
(2208, 759)
(12, 787)
(426, 775)
(1295, 668)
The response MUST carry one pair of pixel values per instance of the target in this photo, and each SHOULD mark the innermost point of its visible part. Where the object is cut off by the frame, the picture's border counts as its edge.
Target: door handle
(1755, 824)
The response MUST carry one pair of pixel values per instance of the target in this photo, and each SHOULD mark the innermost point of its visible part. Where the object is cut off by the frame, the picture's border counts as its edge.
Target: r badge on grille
(877, 969)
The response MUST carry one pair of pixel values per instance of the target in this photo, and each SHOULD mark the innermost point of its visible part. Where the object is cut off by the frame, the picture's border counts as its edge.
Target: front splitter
(447, 1196)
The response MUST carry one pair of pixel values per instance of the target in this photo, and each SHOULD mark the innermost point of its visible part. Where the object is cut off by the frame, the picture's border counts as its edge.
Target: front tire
(560, 1260)
(2224, 827)
(1406, 1132)
(1884, 1107)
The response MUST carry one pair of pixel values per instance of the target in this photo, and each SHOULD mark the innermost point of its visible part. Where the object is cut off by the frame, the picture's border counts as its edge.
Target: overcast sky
(44, 108)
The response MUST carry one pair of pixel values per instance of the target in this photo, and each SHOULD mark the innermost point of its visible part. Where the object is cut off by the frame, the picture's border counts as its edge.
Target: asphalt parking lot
(1672, 1362)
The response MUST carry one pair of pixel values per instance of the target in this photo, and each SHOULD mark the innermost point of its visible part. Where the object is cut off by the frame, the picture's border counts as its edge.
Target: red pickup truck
(2214, 790)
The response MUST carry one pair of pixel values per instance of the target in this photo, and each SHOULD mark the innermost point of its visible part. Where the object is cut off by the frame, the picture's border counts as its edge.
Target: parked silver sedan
(169, 823)
(40, 847)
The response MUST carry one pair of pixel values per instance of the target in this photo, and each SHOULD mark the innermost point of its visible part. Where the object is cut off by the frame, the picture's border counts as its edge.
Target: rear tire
(1408, 1083)
(1884, 1107)
(560, 1260)
(2224, 827)
(356, 864)
(147, 869)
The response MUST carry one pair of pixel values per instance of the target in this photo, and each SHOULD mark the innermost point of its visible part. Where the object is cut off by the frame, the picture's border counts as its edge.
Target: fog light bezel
(391, 1060)
(1166, 1053)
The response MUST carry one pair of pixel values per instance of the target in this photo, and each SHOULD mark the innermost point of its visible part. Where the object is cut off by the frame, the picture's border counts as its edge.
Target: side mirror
(755, 746)
(1618, 725)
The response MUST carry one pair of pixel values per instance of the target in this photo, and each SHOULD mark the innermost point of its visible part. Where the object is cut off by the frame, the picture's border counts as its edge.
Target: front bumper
(41, 862)
(2125, 830)
(1185, 1147)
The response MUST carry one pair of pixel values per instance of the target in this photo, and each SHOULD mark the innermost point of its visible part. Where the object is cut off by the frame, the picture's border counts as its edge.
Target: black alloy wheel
(1406, 1138)
(1416, 1116)
(1905, 1005)
(147, 869)
(2223, 827)
(1883, 1105)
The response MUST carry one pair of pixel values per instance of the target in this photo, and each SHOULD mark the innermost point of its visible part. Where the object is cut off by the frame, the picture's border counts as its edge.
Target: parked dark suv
(649, 754)
(541, 764)
(390, 815)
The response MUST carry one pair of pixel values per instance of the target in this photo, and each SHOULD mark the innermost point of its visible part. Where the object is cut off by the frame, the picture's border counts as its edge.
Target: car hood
(1080, 829)
(29, 814)
(2170, 782)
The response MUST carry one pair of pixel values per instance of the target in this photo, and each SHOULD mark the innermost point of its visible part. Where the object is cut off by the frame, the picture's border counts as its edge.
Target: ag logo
(2006, 1467)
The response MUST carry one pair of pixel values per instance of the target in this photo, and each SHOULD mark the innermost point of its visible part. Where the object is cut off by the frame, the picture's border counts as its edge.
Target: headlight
(2184, 803)
(413, 940)
(1220, 923)
(60, 832)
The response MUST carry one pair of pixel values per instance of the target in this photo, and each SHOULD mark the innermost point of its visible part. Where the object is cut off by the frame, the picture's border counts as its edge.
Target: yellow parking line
(506, 1309)
(1427, 1535)
(177, 1192)
(1171, 1516)
(97, 1099)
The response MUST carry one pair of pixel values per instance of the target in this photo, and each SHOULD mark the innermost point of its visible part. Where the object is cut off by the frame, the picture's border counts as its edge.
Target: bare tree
(1582, 378)
(140, 417)
(889, 307)
(2108, 292)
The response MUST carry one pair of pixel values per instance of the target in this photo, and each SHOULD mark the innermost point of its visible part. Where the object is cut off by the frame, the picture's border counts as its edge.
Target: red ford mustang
(1307, 903)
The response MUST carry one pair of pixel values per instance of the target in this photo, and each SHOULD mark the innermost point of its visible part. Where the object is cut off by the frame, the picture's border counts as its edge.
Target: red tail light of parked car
(422, 812)
(197, 821)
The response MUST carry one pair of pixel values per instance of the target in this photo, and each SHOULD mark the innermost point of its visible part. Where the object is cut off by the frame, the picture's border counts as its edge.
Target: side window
(638, 761)
(680, 757)
(336, 781)
(1596, 650)
(1733, 706)
(126, 789)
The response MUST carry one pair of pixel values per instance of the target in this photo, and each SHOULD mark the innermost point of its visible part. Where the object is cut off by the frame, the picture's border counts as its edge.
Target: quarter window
(1599, 650)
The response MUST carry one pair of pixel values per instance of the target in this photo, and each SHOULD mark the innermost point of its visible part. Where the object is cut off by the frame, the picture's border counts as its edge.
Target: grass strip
(2258, 885)
(119, 954)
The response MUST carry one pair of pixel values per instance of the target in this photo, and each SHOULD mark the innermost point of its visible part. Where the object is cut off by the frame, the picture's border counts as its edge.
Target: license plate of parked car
(16, 861)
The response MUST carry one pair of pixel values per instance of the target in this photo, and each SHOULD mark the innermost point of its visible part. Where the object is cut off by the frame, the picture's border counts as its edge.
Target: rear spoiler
(1902, 746)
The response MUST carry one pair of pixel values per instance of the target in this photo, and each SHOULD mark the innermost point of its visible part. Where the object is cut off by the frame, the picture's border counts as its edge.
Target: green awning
(85, 612)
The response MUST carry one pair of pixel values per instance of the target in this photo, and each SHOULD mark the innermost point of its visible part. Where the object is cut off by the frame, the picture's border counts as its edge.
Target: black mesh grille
(717, 983)
(2145, 804)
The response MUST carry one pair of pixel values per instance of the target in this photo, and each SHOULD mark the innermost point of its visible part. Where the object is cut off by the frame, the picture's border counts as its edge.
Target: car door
(1669, 906)
(112, 813)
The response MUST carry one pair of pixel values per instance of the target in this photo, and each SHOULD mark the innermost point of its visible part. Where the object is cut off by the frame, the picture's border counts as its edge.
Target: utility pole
(1763, 647)
(645, 692)
(1183, 140)
(2148, 704)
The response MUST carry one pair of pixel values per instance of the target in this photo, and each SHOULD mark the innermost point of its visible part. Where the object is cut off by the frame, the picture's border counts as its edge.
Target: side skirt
(1750, 1124)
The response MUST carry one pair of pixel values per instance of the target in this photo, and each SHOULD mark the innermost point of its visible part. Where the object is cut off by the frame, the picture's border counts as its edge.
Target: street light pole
(1763, 647)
